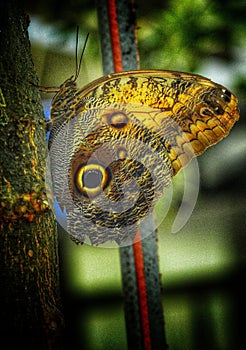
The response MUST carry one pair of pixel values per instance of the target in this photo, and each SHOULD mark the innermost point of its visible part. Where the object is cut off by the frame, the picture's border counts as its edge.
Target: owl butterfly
(116, 143)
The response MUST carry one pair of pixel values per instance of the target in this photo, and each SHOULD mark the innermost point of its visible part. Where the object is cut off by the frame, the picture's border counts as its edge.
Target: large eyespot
(91, 179)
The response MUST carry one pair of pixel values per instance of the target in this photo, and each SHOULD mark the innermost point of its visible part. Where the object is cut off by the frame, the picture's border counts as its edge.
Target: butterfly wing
(125, 129)
(189, 111)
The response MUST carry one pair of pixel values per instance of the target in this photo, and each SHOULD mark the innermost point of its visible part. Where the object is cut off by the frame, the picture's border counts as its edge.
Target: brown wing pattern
(131, 127)
(188, 110)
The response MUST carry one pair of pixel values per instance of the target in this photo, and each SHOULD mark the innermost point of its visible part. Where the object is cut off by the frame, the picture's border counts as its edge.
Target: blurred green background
(202, 267)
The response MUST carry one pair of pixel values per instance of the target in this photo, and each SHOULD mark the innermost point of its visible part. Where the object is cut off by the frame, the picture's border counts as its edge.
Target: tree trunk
(29, 280)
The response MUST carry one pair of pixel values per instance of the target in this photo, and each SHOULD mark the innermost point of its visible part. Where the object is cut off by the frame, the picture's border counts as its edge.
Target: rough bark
(29, 280)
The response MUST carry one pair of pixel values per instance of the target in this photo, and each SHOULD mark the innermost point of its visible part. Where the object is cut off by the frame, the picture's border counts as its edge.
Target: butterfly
(116, 143)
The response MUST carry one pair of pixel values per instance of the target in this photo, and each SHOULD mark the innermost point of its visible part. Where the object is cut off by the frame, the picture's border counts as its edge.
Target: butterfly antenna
(76, 52)
(78, 63)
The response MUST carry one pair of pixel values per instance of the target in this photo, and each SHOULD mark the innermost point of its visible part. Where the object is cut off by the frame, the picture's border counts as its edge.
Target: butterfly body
(117, 142)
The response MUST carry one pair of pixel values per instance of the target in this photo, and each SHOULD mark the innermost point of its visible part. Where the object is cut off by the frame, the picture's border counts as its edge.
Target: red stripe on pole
(115, 37)
(137, 246)
(142, 290)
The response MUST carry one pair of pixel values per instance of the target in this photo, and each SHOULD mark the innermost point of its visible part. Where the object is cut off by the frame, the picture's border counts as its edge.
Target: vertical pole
(139, 262)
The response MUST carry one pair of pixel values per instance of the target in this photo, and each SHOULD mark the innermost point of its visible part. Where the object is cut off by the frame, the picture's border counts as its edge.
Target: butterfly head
(66, 89)
(63, 100)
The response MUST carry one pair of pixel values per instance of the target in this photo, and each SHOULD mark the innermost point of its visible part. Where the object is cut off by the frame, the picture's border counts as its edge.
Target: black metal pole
(139, 337)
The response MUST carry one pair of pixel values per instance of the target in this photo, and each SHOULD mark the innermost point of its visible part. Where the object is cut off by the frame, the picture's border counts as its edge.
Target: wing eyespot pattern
(117, 120)
(91, 179)
(176, 115)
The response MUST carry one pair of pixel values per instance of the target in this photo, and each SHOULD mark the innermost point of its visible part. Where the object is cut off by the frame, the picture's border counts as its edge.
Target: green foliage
(177, 35)
(184, 33)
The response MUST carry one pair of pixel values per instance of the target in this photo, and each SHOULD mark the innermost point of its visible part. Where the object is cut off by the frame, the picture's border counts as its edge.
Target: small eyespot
(121, 153)
(226, 95)
(205, 112)
(118, 120)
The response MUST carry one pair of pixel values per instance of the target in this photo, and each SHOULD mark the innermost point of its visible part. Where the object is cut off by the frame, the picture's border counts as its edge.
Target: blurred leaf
(184, 33)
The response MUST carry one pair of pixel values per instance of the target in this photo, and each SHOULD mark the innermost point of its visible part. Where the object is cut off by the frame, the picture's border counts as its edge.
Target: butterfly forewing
(205, 111)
